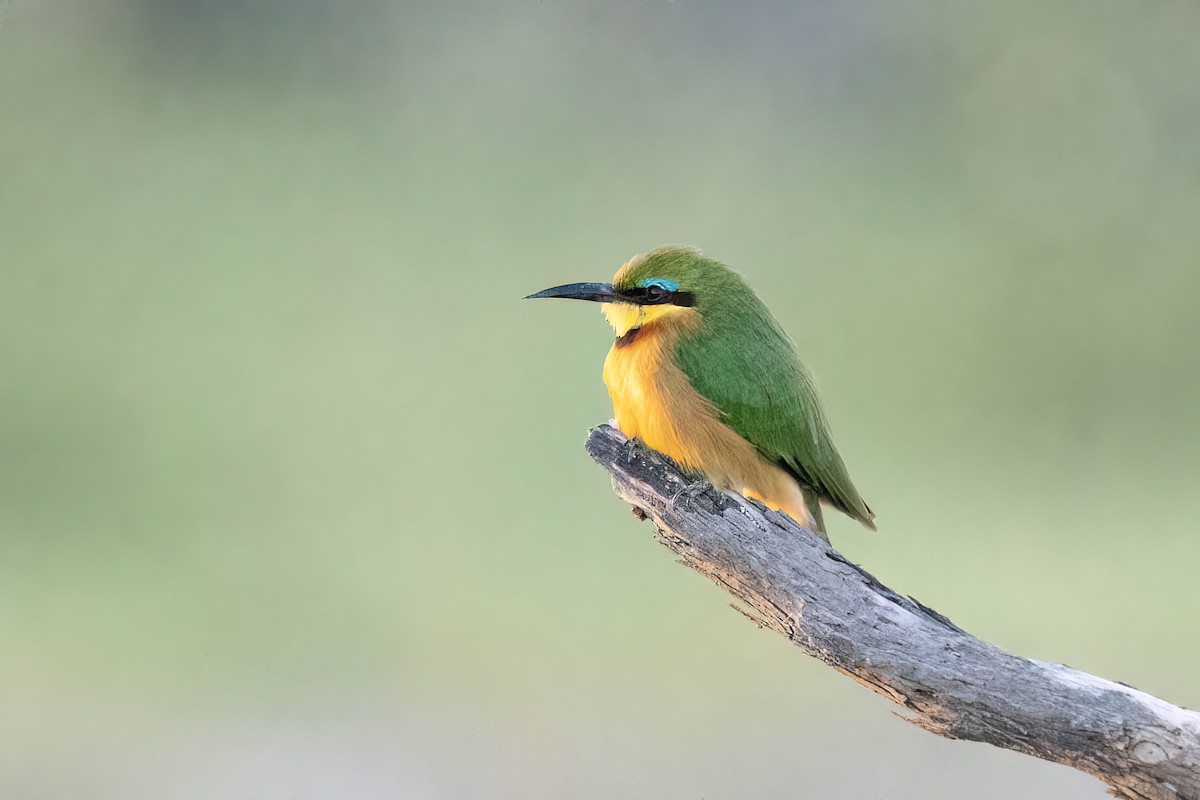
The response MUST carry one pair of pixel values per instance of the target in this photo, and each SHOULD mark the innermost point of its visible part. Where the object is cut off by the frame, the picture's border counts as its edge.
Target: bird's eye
(656, 293)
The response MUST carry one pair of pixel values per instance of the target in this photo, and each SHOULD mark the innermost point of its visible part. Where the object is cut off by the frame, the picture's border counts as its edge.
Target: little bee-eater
(702, 372)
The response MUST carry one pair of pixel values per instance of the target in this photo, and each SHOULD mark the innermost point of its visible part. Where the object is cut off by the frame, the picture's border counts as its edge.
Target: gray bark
(950, 683)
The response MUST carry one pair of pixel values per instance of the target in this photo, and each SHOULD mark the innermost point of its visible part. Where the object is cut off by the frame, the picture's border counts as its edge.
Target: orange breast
(651, 396)
(654, 401)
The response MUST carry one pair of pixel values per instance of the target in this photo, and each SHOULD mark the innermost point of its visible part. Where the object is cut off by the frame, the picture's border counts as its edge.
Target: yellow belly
(654, 401)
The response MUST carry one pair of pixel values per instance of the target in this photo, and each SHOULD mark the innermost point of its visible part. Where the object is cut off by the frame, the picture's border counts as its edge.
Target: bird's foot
(690, 491)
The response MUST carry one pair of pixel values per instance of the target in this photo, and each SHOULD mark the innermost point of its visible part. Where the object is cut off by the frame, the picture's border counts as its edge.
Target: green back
(743, 362)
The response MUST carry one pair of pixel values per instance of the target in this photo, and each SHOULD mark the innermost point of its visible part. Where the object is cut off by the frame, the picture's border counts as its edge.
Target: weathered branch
(952, 684)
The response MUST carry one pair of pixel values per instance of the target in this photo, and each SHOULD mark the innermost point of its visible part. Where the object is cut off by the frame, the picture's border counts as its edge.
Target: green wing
(746, 367)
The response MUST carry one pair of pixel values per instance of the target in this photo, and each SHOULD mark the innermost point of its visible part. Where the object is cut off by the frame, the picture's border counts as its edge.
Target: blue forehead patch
(670, 286)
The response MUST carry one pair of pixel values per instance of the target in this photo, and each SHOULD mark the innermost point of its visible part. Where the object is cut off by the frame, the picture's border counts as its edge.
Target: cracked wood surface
(950, 683)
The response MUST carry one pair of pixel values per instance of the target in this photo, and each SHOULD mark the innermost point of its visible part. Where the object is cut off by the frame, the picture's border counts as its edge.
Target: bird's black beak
(596, 292)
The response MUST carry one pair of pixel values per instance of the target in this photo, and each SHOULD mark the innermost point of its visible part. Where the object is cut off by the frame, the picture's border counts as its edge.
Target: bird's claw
(690, 491)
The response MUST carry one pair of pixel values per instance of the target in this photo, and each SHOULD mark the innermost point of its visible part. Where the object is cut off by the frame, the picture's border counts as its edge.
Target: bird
(702, 372)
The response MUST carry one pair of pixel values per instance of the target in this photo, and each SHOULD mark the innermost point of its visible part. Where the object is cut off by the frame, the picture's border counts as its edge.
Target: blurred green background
(293, 499)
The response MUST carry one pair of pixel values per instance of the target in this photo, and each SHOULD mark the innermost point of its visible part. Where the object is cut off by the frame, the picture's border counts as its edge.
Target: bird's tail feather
(814, 509)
